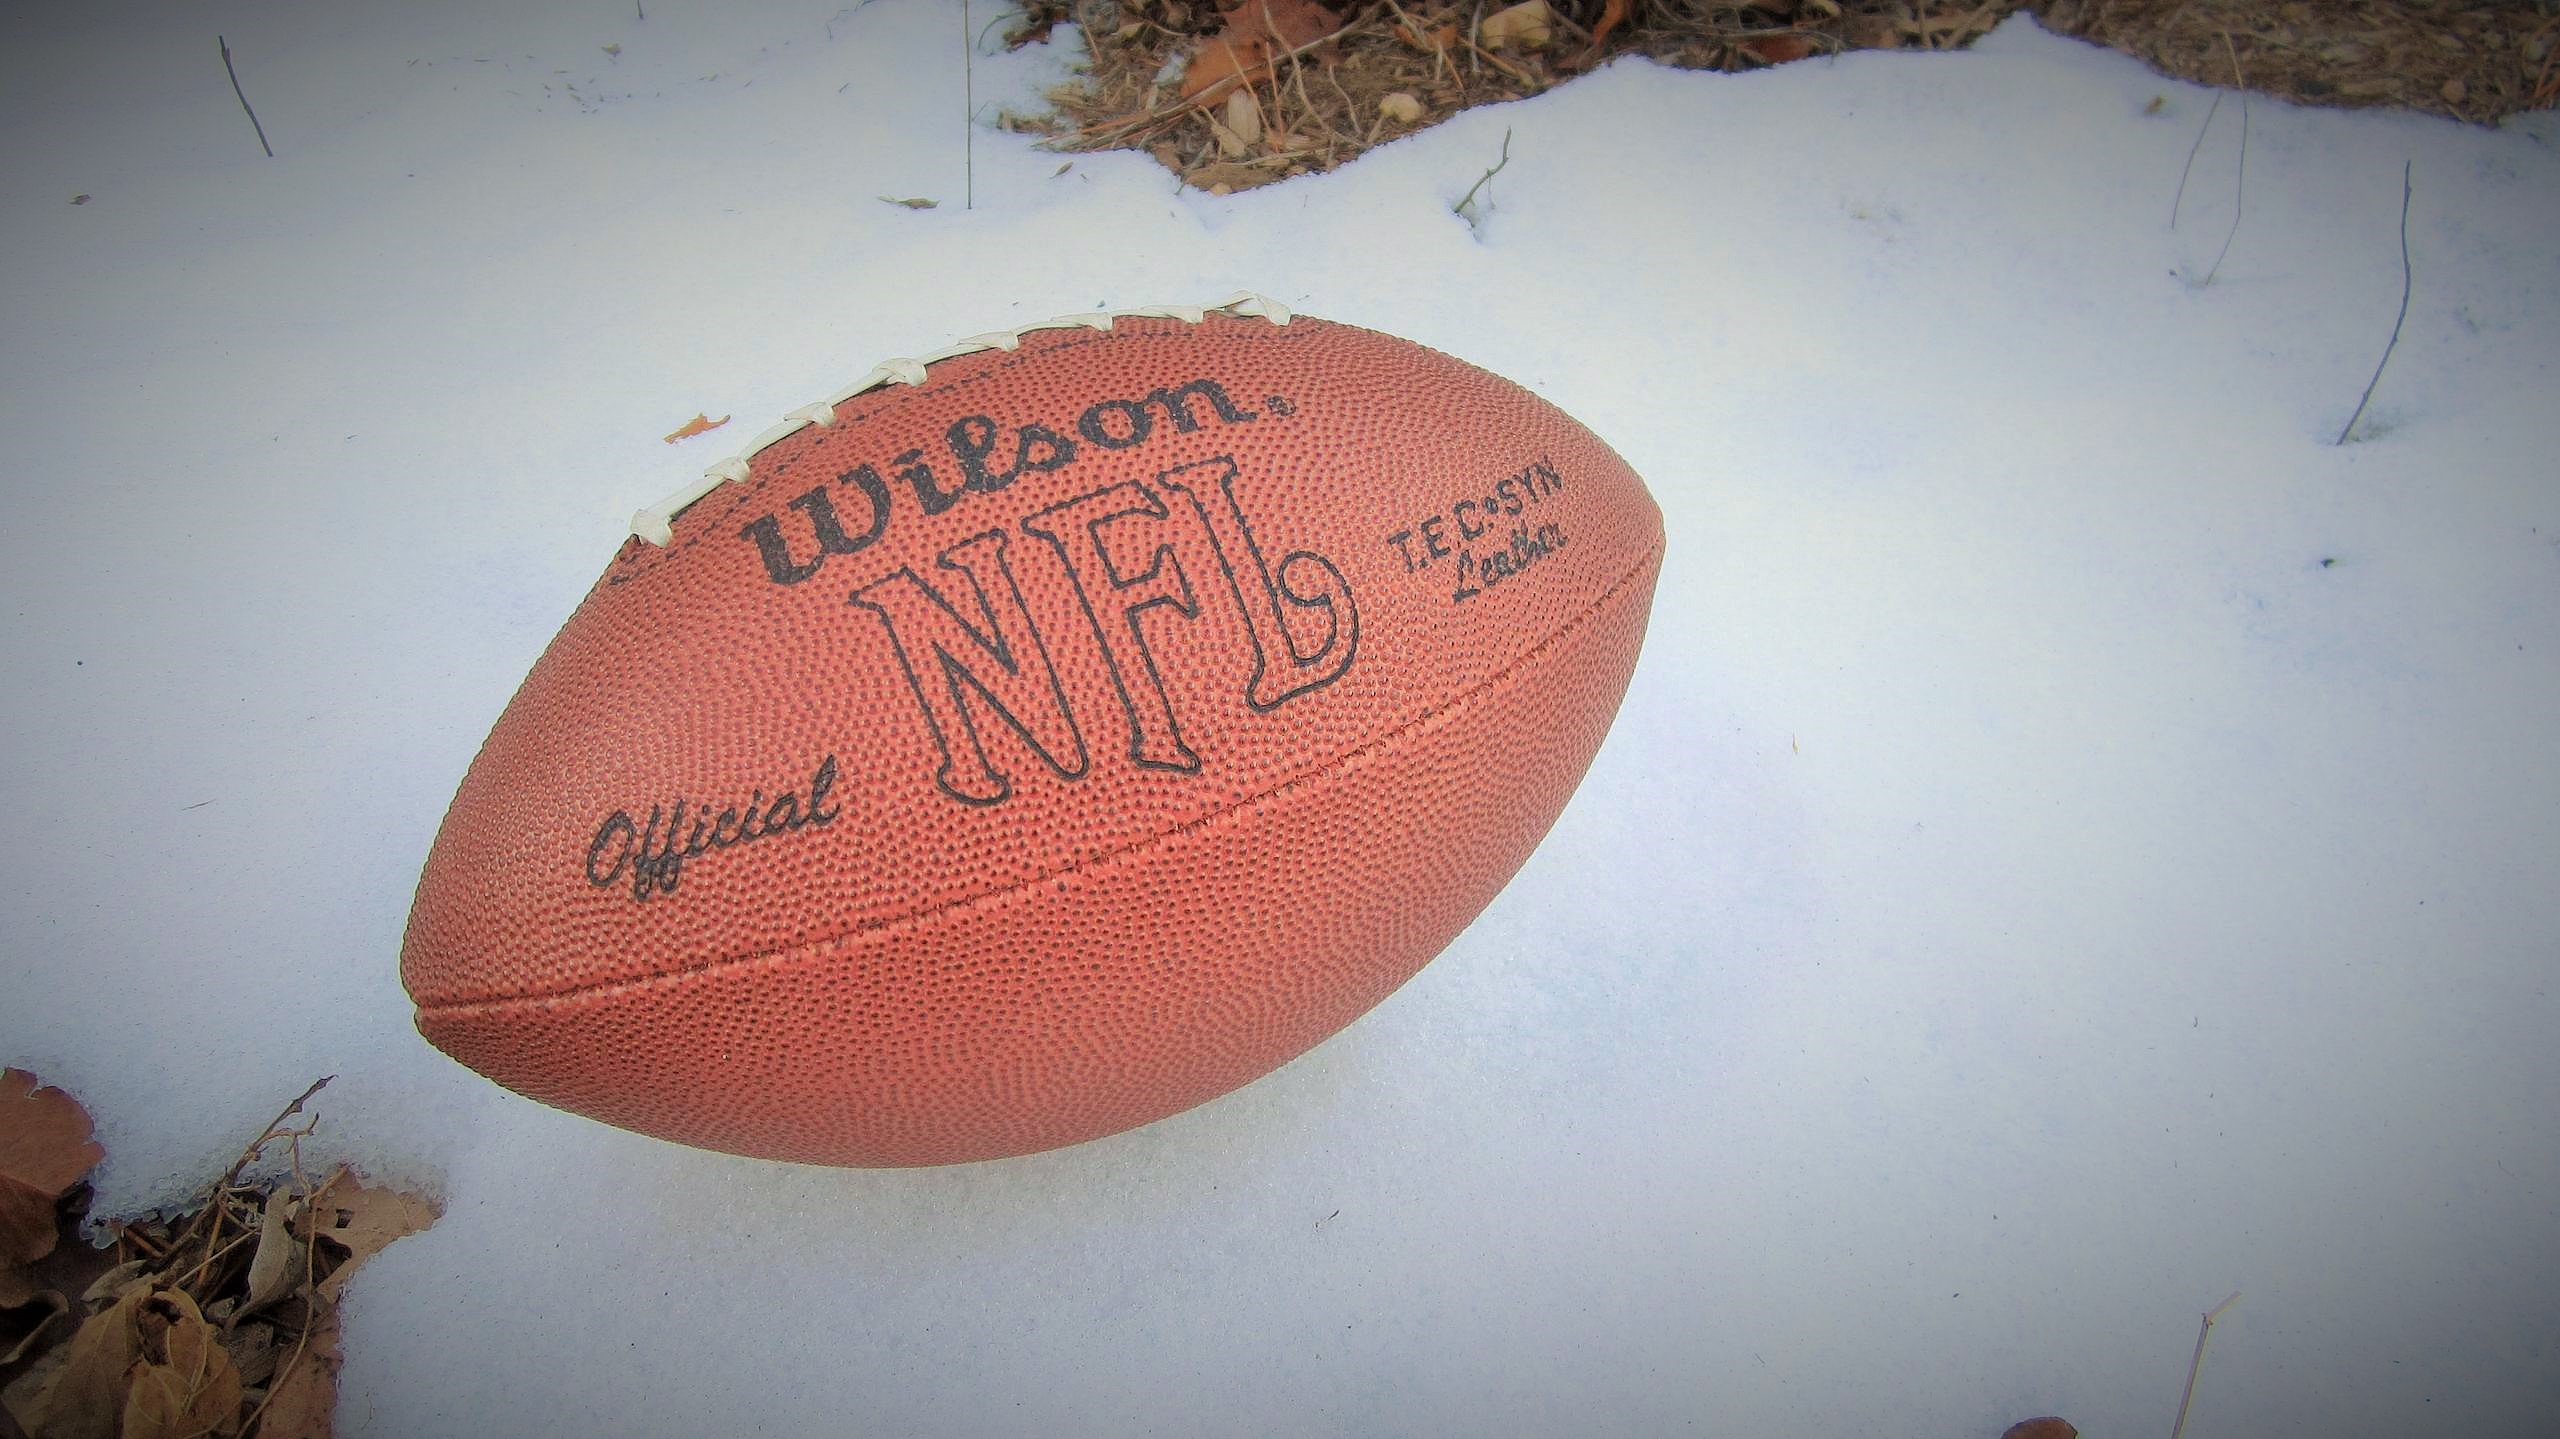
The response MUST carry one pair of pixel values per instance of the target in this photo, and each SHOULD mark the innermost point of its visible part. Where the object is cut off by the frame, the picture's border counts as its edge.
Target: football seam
(606, 988)
(753, 485)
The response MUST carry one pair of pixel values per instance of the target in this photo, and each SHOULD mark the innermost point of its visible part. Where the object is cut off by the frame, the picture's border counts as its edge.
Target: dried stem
(244, 97)
(2403, 318)
(1469, 197)
(2197, 1363)
(210, 1218)
(2240, 176)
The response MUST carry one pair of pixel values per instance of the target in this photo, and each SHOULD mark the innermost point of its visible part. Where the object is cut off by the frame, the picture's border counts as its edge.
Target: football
(1038, 739)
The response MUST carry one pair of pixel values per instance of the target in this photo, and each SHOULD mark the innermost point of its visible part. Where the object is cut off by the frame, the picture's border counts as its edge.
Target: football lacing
(656, 523)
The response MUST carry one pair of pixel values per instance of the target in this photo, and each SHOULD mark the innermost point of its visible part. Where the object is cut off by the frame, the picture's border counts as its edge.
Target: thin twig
(211, 1214)
(244, 97)
(2404, 308)
(1460, 208)
(969, 113)
(2201, 131)
(141, 1242)
(1103, 133)
(2197, 1363)
(2240, 178)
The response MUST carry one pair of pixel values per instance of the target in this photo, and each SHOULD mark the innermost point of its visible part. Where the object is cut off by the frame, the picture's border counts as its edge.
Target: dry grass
(2479, 62)
(1323, 80)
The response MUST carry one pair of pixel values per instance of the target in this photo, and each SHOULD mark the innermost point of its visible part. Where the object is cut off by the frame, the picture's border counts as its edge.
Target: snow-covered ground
(2079, 843)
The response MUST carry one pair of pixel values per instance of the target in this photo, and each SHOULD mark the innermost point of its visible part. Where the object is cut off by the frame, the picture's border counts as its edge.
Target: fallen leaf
(303, 1396)
(252, 1348)
(45, 1148)
(1225, 178)
(27, 1231)
(17, 1288)
(79, 199)
(1400, 106)
(361, 1219)
(85, 1400)
(1255, 31)
(30, 1323)
(44, 1135)
(275, 1266)
(1244, 116)
(698, 425)
(185, 1386)
(1429, 42)
(916, 203)
(1873, 32)
(105, 1290)
(351, 1216)
(1524, 26)
(1777, 49)
(1613, 13)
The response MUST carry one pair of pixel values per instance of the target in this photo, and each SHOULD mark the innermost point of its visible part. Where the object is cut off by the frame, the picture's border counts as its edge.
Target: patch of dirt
(1262, 90)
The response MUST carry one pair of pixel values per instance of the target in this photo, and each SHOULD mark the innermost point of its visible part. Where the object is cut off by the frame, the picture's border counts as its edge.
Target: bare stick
(2201, 131)
(2197, 1363)
(2404, 309)
(1468, 198)
(244, 98)
(211, 1214)
(2240, 177)
(968, 104)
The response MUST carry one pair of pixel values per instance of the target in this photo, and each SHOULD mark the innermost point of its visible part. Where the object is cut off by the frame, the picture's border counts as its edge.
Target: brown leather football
(1036, 741)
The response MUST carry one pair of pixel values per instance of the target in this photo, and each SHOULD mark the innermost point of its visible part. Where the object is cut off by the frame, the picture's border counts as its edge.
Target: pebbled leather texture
(1040, 750)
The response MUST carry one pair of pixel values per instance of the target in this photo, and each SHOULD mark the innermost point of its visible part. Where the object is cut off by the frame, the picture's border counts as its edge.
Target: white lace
(656, 523)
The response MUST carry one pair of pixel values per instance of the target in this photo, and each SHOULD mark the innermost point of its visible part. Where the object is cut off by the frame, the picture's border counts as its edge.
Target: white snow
(2079, 843)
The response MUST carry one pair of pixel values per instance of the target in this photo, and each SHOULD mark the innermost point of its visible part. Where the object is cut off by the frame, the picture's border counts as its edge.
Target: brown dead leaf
(1225, 177)
(1244, 117)
(31, 1323)
(45, 1148)
(1525, 26)
(85, 1399)
(44, 1136)
(184, 1387)
(346, 1215)
(17, 1288)
(1613, 13)
(698, 425)
(1429, 42)
(1872, 32)
(361, 1219)
(1778, 49)
(109, 1288)
(912, 202)
(1400, 106)
(27, 1231)
(1255, 31)
(276, 1266)
(252, 1348)
(303, 1396)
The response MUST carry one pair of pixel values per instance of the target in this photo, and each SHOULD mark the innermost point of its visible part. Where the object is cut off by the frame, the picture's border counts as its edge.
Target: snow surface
(2079, 843)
